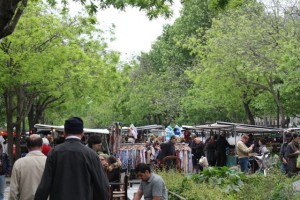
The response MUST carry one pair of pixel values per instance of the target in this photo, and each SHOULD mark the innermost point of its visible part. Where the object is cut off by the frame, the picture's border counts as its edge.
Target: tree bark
(248, 112)
(10, 14)
(8, 97)
(275, 94)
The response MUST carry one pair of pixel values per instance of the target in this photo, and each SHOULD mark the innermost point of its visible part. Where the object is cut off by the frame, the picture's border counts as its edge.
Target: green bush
(214, 183)
(221, 177)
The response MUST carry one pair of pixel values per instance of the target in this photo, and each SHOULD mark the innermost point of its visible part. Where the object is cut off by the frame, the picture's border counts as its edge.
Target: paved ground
(132, 190)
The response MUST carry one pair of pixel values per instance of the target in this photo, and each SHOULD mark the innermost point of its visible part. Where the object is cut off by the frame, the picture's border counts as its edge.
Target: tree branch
(10, 21)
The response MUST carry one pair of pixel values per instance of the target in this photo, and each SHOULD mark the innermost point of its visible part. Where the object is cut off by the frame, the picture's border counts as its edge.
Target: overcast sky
(134, 32)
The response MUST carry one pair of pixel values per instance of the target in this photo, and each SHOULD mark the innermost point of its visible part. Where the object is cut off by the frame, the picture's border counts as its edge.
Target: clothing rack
(132, 144)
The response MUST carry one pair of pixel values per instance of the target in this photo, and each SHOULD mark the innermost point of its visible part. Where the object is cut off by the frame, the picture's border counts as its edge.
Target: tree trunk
(30, 117)
(280, 107)
(17, 141)
(37, 110)
(248, 112)
(10, 14)
(149, 119)
(8, 97)
(155, 118)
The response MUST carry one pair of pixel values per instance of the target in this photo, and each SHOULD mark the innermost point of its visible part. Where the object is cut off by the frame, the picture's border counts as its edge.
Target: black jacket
(72, 172)
(197, 149)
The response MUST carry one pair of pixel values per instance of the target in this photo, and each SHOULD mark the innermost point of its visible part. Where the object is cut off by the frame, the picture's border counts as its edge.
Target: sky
(134, 32)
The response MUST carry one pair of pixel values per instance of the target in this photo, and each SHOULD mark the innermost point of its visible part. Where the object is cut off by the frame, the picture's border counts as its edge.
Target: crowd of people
(74, 170)
(214, 148)
(289, 152)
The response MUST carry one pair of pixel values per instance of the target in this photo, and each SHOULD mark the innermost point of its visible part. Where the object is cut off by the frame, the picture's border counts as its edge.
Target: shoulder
(289, 144)
(19, 161)
(157, 178)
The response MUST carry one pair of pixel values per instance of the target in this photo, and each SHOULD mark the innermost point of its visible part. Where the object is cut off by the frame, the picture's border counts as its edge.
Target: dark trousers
(221, 159)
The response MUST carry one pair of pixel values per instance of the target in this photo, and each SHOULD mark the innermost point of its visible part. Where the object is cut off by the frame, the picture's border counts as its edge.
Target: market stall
(141, 133)
(233, 133)
(57, 132)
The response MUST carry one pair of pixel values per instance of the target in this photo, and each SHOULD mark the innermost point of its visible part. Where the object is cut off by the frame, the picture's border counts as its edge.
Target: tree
(58, 64)
(12, 10)
(246, 52)
(160, 80)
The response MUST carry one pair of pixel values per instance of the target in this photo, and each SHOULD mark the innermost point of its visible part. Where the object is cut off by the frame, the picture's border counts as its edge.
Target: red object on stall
(4, 133)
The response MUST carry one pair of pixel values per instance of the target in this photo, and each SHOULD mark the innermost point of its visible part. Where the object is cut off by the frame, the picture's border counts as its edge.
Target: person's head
(143, 171)
(159, 139)
(103, 160)
(95, 143)
(111, 160)
(74, 126)
(173, 139)
(197, 140)
(295, 137)
(34, 142)
(152, 137)
(193, 136)
(148, 144)
(261, 141)
(49, 137)
(288, 137)
(245, 138)
(223, 134)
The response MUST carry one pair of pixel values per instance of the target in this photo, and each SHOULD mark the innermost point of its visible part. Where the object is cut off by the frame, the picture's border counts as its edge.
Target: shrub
(214, 184)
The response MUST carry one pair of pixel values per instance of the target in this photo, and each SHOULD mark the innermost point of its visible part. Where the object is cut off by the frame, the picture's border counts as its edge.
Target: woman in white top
(262, 146)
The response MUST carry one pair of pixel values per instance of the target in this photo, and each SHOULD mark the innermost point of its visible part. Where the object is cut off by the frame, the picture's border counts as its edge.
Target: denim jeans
(244, 164)
(2, 186)
(283, 168)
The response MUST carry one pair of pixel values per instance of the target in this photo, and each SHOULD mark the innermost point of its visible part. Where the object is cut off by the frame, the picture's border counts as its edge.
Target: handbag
(298, 162)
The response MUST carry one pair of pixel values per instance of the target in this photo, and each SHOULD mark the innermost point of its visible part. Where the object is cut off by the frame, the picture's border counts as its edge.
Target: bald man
(27, 171)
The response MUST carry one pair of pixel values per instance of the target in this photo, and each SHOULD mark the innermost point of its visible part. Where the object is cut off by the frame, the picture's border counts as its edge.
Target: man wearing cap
(72, 170)
(27, 171)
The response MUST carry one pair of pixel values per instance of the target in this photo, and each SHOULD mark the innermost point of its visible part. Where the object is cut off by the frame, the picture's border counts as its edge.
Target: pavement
(133, 189)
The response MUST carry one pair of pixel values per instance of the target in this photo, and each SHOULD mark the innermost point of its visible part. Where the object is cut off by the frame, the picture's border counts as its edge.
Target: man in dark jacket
(221, 145)
(197, 147)
(282, 155)
(72, 170)
(168, 149)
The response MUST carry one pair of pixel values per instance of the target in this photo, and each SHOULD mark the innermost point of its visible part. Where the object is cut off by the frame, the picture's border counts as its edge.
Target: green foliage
(241, 59)
(217, 59)
(152, 8)
(222, 177)
(64, 66)
(273, 187)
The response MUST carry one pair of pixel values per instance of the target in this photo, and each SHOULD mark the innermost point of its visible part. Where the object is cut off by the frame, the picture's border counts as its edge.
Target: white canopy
(61, 128)
(239, 128)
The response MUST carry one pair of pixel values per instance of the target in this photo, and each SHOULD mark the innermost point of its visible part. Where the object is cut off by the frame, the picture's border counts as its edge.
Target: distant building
(272, 122)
